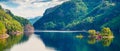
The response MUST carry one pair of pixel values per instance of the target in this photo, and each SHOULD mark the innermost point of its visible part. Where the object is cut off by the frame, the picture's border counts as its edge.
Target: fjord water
(33, 44)
(62, 41)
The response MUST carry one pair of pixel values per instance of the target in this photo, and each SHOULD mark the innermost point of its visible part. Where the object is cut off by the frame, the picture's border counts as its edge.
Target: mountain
(20, 19)
(28, 28)
(58, 17)
(11, 24)
(81, 15)
(33, 20)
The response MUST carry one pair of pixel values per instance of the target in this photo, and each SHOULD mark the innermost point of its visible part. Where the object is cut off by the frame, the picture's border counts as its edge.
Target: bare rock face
(28, 30)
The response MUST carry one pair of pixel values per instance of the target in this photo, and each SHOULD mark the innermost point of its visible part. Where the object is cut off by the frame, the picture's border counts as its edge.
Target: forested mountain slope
(81, 15)
(11, 24)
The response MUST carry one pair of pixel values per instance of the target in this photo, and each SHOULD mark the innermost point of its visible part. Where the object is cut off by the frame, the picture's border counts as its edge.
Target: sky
(29, 8)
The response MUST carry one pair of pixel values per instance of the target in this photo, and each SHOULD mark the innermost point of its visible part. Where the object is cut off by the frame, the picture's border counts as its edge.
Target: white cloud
(32, 8)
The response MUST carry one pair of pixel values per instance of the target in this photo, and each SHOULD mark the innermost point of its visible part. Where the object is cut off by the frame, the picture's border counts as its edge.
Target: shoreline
(4, 36)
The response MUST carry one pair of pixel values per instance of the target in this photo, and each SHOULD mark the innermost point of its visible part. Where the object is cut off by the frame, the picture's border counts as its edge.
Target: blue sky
(29, 8)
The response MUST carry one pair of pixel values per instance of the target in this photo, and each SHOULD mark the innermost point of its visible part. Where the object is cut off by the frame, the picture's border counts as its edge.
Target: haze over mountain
(29, 8)
(33, 20)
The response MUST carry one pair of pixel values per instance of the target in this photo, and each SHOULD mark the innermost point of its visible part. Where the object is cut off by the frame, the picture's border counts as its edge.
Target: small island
(105, 36)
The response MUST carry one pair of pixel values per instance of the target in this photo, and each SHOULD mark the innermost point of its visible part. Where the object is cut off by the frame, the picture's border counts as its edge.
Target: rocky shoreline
(16, 33)
(28, 30)
(4, 36)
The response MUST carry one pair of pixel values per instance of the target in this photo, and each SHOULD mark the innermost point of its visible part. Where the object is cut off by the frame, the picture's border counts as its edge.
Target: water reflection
(9, 42)
(63, 41)
(68, 42)
(33, 44)
(105, 41)
(60, 41)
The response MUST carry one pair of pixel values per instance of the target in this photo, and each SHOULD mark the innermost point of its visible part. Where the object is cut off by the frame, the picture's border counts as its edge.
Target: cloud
(30, 8)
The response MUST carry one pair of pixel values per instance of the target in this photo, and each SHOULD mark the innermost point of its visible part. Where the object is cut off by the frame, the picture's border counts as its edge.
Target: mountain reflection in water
(61, 41)
(65, 41)
(33, 44)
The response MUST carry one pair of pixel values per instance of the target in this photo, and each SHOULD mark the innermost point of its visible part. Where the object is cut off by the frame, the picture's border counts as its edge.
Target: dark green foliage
(9, 42)
(0, 7)
(22, 20)
(9, 23)
(113, 24)
(81, 15)
(2, 28)
(62, 15)
(49, 25)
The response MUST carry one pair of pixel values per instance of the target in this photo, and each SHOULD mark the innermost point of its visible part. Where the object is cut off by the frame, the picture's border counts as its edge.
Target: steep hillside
(114, 24)
(11, 24)
(100, 15)
(58, 17)
(80, 15)
(20, 19)
(2, 28)
(28, 28)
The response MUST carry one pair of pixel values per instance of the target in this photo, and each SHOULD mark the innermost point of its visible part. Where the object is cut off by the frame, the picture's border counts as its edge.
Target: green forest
(11, 24)
(81, 15)
(60, 25)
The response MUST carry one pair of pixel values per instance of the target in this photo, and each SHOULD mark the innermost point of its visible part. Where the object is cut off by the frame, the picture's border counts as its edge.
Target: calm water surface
(33, 44)
(58, 41)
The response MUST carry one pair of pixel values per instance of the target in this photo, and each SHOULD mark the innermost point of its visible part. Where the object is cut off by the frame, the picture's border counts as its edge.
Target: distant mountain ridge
(33, 20)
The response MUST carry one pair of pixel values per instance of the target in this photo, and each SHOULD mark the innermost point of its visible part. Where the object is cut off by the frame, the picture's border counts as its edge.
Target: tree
(92, 41)
(108, 36)
(79, 36)
(106, 31)
(49, 25)
(2, 28)
(92, 32)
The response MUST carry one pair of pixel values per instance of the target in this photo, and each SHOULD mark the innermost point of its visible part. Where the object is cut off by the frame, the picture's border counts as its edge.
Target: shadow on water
(67, 41)
(23, 42)
(6, 44)
(9, 42)
(33, 44)
(62, 41)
